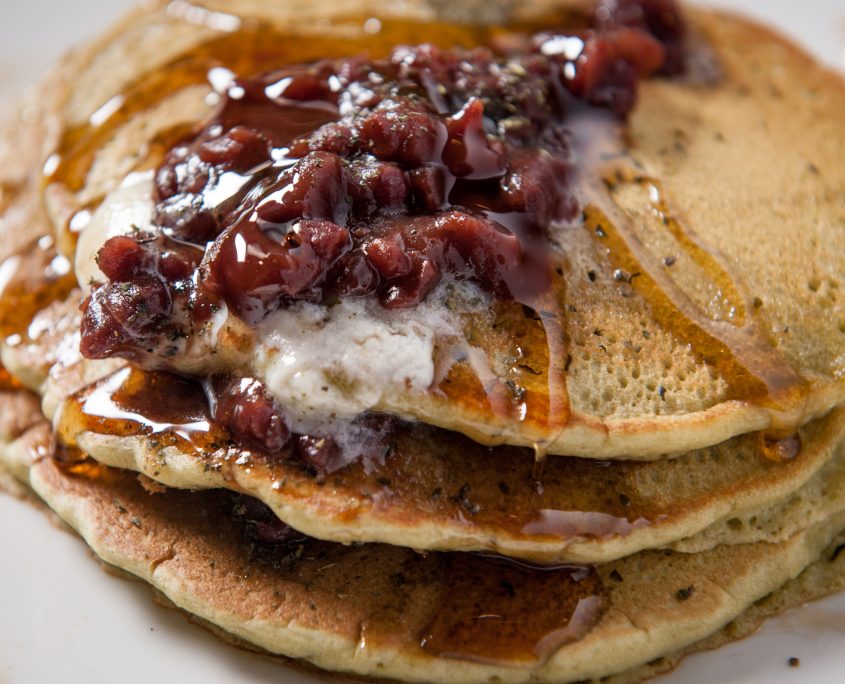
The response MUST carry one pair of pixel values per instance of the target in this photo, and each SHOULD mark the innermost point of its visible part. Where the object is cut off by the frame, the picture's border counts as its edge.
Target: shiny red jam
(371, 178)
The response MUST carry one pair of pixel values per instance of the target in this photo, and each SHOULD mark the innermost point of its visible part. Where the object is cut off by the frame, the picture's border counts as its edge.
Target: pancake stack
(643, 460)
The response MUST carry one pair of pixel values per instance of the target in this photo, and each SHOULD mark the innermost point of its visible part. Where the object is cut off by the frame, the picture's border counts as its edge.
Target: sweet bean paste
(370, 178)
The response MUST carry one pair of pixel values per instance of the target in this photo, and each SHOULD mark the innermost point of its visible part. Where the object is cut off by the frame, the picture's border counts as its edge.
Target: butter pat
(127, 208)
(340, 360)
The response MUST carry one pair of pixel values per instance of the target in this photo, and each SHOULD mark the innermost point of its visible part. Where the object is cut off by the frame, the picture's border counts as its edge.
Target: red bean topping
(243, 406)
(318, 452)
(124, 318)
(377, 187)
(388, 256)
(121, 258)
(470, 152)
(262, 525)
(428, 185)
(313, 189)
(288, 266)
(239, 149)
(356, 177)
(611, 62)
(661, 18)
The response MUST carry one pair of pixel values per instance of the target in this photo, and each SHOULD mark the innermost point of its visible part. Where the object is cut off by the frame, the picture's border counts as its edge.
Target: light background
(63, 620)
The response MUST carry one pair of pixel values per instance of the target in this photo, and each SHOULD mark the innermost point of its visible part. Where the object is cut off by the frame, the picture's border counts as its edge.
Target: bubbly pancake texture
(671, 329)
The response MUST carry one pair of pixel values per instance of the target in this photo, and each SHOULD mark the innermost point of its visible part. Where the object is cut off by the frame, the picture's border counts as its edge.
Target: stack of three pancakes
(589, 487)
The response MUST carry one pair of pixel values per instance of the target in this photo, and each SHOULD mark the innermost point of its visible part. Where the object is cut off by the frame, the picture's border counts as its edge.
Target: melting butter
(126, 209)
(319, 362)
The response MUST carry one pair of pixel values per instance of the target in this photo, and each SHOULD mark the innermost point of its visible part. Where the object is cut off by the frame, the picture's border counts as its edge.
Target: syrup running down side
(462, 606)
(729, 338)
(384, 474)
(365, 178)
(510, 371)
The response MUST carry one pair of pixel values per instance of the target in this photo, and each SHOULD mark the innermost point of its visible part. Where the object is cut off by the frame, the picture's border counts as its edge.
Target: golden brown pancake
(696, 318)
(818, 579)
(426, 488)
(339, 607)
(189, 546)
(731, 338)
(431, 489)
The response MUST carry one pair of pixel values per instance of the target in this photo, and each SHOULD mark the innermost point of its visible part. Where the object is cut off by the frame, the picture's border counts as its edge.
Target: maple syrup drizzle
(128, 402)
(30, 280)
(260, 48)
(710, 260)
(449, 477)
(471, 607)
(255, 47)
(738, 349)
(105, 402)
(498, 611)
(9, 383)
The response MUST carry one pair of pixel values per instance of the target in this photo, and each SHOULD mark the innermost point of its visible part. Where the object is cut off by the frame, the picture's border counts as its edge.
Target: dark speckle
(669, 260)
(685, 593)
(530, 313)
(463, 498)
(794, 662)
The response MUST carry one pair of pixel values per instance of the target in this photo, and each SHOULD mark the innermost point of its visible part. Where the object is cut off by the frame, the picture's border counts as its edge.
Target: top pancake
(736, 183)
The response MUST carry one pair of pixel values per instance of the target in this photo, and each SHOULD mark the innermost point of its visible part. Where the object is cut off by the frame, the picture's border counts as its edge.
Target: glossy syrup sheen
(33, 279)
(534, 391)
(521, 374)
(737, 346)
(415, 474)
(253, 49)
(409, 472)
(460, 606)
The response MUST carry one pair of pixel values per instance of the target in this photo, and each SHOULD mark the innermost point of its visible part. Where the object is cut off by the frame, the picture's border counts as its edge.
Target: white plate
(62, 619)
